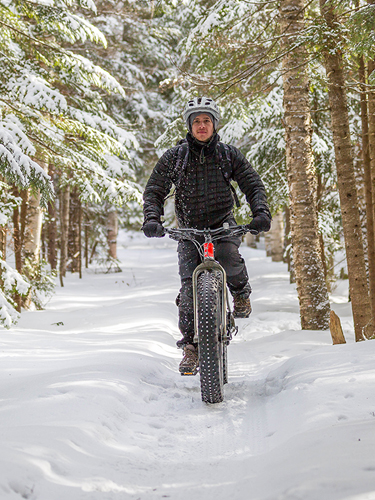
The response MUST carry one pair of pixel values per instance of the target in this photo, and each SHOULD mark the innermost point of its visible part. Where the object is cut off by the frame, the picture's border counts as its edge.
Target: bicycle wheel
(225, 363)
(210, 348)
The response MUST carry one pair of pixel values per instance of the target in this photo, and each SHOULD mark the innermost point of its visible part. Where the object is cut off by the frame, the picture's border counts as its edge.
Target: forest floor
(92, 406)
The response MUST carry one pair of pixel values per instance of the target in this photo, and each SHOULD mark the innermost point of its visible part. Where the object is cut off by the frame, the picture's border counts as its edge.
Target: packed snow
(93, 406)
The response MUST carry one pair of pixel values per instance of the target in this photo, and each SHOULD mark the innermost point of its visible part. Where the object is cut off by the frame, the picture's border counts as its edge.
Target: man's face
(202, 127)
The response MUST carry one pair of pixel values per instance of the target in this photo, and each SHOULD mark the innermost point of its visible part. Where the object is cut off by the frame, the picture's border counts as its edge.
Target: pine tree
(333, 56)
(244, 69)
(53, 113)
(308, 265)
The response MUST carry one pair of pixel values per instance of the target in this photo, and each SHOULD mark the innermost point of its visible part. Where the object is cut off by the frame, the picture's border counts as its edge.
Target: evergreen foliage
(94, 93)
(233, 53)
(54, 115)
(52, 105)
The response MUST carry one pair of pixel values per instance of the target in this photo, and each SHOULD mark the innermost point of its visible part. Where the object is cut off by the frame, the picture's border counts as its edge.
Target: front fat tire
(210, 348)
(225, 362)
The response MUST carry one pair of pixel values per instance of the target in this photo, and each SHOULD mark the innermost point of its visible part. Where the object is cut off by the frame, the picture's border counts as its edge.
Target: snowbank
(93, 407)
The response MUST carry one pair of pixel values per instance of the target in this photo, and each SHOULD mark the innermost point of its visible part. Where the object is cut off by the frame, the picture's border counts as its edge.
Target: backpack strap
(223, 160)
(225, 165)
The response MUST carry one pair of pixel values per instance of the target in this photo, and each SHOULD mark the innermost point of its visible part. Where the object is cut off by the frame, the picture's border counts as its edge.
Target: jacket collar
(207, 147)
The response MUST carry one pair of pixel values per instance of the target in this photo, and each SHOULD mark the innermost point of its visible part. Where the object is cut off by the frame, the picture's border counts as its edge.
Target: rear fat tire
(210, 348)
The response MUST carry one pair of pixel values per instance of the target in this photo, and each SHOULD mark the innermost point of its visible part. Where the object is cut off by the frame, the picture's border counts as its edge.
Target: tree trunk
(275, 238)
(52, 228)
(368, 188)
(80, 240)
(308, 268)
(3, 247)
(86, 226)
(64, 231)
(52, 235)
(346, 180)
(288, 257)
(3, 228)
(25, 195)
(17, 247)
(3, 242)
(371, 137)
(250, 240)
(74, 240)
(112, 230)
(33, 229)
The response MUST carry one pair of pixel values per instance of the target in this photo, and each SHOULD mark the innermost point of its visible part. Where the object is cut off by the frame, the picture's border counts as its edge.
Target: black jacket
(203, 198)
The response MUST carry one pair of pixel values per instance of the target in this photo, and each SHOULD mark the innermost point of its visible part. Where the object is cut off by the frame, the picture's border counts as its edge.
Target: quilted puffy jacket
(203, 197)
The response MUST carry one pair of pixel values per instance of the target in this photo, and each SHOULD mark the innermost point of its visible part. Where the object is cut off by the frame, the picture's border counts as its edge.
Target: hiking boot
(242, 306)
(189, 363)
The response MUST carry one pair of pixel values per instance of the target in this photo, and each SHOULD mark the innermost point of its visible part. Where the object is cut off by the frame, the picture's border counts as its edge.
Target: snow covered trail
(92, 405)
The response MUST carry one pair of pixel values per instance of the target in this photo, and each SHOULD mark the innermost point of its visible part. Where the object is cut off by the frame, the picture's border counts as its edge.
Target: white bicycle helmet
(201, 105)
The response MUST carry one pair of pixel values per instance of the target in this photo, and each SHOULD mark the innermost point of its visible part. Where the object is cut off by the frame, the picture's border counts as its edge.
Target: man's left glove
(153, 229)
(260, 223)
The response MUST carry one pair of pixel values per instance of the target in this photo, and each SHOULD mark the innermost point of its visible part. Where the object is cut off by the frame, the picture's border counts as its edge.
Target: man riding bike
(201, 168)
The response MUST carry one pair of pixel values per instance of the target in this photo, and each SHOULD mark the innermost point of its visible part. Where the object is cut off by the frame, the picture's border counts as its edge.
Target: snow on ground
(93, 407)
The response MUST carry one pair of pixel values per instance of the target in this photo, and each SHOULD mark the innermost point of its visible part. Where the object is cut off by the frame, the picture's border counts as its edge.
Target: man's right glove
(260, 223)
(153, 229)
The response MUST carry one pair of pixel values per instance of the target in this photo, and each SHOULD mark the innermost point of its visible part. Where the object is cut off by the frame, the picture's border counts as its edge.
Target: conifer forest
(92, 92)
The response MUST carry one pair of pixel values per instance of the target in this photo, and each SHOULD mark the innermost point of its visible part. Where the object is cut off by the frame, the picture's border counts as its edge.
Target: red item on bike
(209, 250)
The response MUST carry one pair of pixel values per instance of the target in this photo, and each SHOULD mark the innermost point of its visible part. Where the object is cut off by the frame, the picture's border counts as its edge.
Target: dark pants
(227, 254)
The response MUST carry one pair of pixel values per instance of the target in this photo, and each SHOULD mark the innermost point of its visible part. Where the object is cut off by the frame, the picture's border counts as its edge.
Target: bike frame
(210, 264)
(213, 321)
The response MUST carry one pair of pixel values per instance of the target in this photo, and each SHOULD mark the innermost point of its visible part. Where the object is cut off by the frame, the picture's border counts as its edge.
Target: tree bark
(33, 228)
(3, 246)
(80, 240)
(3, 242)
(64, 231)
(371, 137)
(17, 247)
(346, 179)
(250, 240)
(25, 195)
(74, 241)
(52, 228)
(275, 238)
(86, 230)
(368, 185)
(288, 257)
(52, 235)
(112, 230)
(3, 232)
(308, 268)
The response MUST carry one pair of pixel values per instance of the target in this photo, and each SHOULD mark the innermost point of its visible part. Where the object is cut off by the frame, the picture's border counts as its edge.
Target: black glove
(260, 223)
(153, 229)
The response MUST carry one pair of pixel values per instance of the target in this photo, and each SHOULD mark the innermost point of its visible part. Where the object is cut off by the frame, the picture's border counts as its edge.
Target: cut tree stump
(335, 329)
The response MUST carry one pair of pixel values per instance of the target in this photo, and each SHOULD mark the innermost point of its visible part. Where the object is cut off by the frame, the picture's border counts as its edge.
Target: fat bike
(214, 324)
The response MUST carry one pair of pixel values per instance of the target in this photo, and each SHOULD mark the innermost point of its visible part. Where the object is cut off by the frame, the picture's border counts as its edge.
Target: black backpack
(223, 160)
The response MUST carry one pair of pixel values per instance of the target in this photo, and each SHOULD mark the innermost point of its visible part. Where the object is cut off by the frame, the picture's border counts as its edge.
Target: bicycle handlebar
(215, 234)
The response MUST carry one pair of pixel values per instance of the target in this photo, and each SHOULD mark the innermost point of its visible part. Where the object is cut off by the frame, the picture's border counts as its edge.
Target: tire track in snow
(235, 428)
(248, 411)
